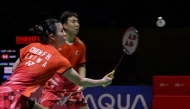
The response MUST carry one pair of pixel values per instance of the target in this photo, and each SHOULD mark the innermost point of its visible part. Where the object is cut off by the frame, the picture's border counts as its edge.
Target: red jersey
(39, 62)
(76, 54)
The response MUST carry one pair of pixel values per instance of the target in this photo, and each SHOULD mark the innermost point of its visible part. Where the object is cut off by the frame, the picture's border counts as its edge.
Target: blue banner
(119, 97)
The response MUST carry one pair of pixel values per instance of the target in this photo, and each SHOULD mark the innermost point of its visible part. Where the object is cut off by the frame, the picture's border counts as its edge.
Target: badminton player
(37, 63)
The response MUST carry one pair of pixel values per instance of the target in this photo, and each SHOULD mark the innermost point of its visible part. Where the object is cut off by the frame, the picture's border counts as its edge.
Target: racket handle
(112, 73)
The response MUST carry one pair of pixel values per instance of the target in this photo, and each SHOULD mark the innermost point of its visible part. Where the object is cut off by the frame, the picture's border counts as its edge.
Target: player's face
(72, 25)
(60, 35)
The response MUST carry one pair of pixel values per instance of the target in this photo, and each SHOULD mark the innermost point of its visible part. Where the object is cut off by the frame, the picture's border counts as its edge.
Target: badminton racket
(67, 97)
(130, 41)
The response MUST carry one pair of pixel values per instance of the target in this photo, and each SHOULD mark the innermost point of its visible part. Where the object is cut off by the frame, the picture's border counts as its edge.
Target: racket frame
(124, 48)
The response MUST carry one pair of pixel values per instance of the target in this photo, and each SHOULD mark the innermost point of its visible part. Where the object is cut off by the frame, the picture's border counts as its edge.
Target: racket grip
(112, 73)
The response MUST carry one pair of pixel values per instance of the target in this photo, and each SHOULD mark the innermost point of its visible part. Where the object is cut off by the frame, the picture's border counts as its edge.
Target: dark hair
(64, 17)
(47, 27)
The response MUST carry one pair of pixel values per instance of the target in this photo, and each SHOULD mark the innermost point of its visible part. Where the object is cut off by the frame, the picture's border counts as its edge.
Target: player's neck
(70, 39)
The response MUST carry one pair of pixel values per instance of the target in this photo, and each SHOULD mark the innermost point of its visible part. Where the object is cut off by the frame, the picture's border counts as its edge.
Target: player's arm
(82, 72)
(16, 64)
(23, 52)
(74, 77)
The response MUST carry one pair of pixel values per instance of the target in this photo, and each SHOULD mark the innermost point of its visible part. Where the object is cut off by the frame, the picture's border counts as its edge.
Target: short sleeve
(63, 65)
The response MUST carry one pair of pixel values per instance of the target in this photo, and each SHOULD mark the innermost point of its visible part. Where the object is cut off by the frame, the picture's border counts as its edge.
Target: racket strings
(130, 40)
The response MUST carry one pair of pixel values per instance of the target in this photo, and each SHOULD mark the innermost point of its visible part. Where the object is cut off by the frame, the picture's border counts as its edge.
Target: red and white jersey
(39, 62)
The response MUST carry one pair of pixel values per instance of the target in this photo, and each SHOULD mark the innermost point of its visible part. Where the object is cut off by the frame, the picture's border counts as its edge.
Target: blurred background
(161, 50)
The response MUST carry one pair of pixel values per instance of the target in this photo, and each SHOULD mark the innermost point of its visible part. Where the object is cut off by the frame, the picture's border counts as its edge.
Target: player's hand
(111, 74)
(108, 79)
(82, 88)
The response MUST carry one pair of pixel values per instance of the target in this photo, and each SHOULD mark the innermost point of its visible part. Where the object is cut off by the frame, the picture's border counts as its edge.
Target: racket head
(130, 40)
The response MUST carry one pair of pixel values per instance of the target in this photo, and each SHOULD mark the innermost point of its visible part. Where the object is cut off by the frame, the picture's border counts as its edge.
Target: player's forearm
(86, 82)
(82, 70)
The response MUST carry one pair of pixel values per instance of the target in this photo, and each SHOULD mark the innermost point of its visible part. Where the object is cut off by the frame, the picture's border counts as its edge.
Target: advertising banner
(119, 97)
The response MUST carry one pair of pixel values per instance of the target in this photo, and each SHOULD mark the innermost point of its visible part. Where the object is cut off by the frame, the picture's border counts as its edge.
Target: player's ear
(64, 25)
(52, 36)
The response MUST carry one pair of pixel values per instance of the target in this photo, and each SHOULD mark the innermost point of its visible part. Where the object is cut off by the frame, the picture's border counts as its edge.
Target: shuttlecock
(160, 22)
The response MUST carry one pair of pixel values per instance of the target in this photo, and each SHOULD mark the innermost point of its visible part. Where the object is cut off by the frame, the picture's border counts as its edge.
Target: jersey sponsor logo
(59, 49)
(76, 52)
